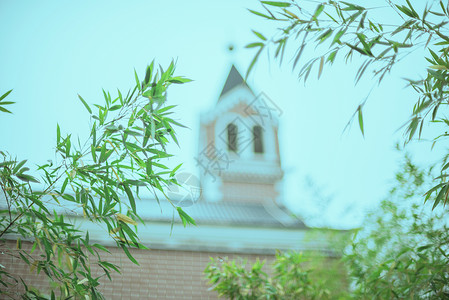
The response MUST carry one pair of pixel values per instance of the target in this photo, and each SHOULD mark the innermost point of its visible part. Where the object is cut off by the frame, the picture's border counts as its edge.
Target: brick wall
(162, 274)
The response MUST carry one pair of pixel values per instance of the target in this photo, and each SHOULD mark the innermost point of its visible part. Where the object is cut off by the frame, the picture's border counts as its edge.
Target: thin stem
(29, 206)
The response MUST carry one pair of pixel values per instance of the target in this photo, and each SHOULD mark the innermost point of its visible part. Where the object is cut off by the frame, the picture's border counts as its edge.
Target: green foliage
(341, 29)
(403, 251)
(3, 102)
(99, 178)
(293, 276)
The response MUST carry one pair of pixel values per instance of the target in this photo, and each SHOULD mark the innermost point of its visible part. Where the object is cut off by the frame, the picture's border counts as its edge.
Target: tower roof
(234, 79)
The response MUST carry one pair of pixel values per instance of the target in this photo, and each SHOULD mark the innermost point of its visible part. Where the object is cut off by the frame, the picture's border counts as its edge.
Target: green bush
(293, 275)
(402, 252)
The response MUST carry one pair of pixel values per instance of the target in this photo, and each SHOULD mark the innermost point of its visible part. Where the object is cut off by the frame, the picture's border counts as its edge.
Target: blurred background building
(236, 203)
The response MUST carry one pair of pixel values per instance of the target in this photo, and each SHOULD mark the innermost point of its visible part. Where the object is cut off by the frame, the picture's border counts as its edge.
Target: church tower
(239, 149)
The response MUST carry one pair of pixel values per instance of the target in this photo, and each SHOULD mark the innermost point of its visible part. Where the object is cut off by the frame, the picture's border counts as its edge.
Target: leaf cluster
(98, 180)
(339, 28)
(403, 251)
(292, 276)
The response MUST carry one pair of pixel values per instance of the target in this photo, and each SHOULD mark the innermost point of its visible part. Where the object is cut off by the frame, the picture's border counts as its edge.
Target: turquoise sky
(52, 50)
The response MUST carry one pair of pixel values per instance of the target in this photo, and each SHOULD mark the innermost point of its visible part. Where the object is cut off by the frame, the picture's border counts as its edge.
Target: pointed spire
(234, 79)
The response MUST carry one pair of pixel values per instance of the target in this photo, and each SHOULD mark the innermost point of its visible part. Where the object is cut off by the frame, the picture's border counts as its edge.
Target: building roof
(225, 213)
(204, 213)
(234, 79)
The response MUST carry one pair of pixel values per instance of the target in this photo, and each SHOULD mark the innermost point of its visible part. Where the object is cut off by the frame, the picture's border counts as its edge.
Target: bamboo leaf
(131, 258)
(253, 45)
(361, 120)
(27, 178)
(276, 3)
(132, 201)
(179, 80)
(18, 166)
(85, 104)
(320, 70)
(439, 67)
(259, 35)
(5, 95)
(137, 80)
(260, 14)
(185, 218)
(125, 219)
(7, 163)
(318, 11)
(4, 109)
(58, 134)
(324, 36)
(172, 173)
(149, 73)
(251, 65)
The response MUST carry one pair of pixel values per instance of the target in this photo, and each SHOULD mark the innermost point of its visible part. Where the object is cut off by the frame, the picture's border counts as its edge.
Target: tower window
(257, 139)
(232, 137)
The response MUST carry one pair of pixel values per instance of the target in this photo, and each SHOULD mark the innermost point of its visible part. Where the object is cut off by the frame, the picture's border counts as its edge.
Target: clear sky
(52, 50)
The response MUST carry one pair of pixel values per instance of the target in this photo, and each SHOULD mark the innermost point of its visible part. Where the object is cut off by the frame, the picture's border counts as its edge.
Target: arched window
(232, 137)
(257, 139)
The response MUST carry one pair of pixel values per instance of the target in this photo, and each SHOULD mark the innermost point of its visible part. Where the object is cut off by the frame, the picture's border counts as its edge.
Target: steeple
(234, 79)
(239, 150)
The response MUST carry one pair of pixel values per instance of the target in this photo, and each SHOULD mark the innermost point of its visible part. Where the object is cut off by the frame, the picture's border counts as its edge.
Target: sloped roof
(234, 79)
(225, 213)
(203, 212)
